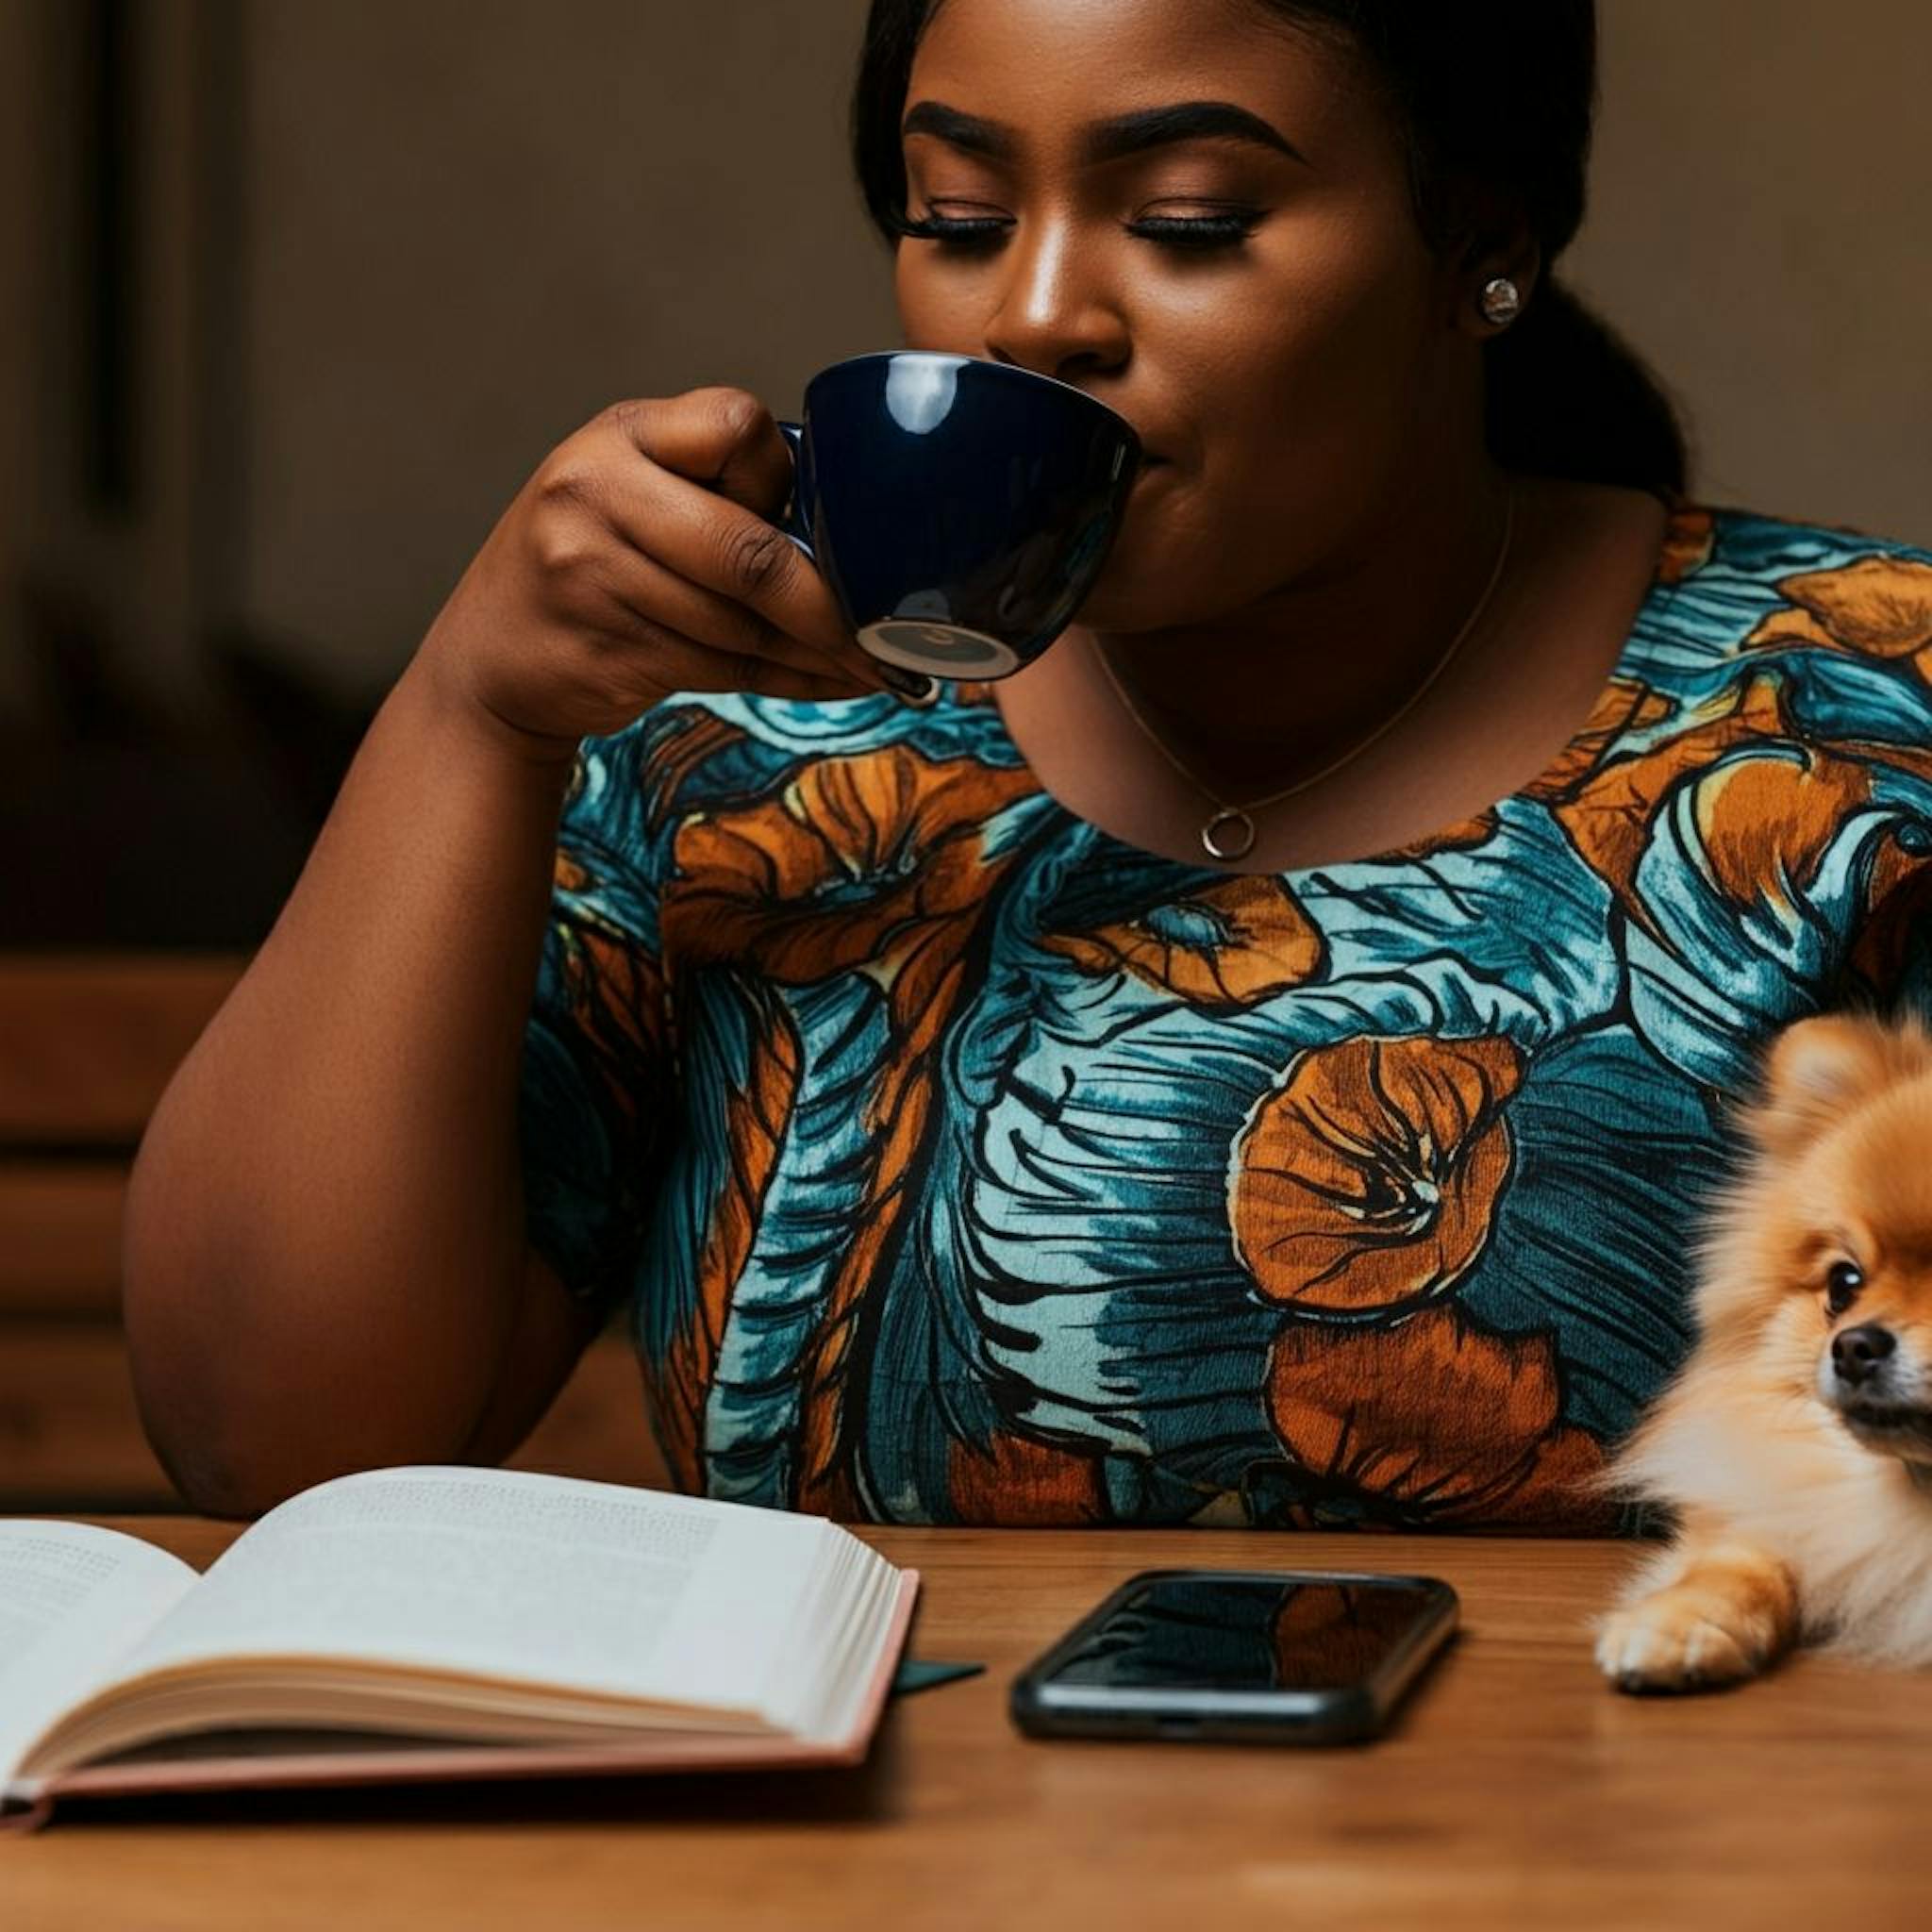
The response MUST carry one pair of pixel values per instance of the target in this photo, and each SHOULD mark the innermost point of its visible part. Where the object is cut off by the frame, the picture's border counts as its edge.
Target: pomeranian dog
(1794, 1445)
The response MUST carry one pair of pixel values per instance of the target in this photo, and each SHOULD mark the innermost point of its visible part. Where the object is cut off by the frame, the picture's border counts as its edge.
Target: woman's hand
(639, 559)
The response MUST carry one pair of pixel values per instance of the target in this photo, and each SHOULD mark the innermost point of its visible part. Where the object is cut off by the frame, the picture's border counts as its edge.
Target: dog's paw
(1675, 1640)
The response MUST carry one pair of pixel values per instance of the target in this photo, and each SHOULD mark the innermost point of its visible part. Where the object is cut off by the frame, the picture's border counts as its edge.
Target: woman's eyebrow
(1127, 134)
(1109, 140)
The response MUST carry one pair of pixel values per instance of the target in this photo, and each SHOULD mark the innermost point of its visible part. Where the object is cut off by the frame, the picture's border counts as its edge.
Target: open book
(439, 1622)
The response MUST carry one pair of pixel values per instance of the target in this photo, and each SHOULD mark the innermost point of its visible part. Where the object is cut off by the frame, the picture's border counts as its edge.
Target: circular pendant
(1229, 834)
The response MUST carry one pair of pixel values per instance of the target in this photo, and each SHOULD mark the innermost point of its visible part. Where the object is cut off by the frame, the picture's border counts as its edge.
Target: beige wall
(1761, 227)
(465, 224)
(473, 222)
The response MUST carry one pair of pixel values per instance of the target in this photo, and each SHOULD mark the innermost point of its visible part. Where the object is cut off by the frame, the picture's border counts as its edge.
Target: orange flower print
(846, 866)
(1765, 822)
(874, 864)
(1222, 948)
(1437, 1420)
(1879, 607)
(1023, 1484)
(1369, 1177)
(1608, 815)
(1625, 706)
(1689, 537)
(616, 997)
(699, 737)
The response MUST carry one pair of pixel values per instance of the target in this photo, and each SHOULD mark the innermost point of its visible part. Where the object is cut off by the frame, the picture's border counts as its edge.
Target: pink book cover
(407, 1761)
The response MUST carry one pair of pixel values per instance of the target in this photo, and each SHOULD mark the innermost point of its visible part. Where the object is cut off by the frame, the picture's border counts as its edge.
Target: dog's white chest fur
(1855, 1527)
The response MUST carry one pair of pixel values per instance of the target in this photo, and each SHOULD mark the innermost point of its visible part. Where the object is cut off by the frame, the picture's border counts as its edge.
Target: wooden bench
(87, 1043)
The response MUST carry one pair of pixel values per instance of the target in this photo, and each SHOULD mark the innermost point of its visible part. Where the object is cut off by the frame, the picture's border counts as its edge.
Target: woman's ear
(1484, 237)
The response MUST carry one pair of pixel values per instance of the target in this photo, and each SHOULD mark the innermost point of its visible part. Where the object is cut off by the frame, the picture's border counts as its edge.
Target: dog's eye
(1844, 1279)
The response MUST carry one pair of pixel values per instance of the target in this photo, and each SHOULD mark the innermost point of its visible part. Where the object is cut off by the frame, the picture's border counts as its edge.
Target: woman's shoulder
(1745, 544)
(1735, 586)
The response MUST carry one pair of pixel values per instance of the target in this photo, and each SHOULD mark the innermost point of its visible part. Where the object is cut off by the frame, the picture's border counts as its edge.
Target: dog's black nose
(1858, 1353)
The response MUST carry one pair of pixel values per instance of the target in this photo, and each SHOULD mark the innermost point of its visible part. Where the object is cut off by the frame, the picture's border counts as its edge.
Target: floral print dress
(956, 1162)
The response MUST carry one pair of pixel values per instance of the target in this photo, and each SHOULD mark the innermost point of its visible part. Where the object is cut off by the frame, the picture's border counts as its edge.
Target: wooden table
(1517, 1791)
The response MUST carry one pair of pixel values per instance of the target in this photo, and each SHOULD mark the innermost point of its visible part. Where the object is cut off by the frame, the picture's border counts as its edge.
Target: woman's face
(1255, 296)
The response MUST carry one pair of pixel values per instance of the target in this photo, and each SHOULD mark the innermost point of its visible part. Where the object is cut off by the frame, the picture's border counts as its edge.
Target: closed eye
(982, 233)
(979, 229)
(1197, 231)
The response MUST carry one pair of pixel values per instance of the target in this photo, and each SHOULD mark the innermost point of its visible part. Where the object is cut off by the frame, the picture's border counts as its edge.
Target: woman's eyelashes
(955, 231)
(1197, 231)
(1224, 228)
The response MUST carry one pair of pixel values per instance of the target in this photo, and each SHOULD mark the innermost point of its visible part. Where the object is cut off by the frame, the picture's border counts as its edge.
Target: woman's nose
(1055, 316)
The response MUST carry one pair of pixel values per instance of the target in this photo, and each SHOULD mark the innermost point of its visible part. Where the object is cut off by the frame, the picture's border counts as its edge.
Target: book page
(73, 1599)
(536, 1578)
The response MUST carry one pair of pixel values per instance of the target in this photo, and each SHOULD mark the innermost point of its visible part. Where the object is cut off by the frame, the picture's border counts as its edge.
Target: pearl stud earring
(1501, 301)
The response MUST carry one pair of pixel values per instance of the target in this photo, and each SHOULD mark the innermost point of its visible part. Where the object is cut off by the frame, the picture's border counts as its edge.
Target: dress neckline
(1685, 531)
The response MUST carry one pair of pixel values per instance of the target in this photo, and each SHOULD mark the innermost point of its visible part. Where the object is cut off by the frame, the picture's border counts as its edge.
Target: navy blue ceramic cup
(960, 509)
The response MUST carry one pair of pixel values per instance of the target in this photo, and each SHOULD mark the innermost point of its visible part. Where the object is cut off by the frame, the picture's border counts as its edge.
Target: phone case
(1329, 1715)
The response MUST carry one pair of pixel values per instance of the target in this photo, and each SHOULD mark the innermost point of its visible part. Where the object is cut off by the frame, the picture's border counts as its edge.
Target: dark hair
(1494, 100)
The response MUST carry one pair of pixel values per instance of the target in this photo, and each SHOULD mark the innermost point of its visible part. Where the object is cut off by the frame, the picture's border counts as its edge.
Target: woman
(1258, 1064)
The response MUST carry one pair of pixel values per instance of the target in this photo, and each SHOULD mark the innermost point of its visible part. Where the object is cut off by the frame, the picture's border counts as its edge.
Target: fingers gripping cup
(960, 509)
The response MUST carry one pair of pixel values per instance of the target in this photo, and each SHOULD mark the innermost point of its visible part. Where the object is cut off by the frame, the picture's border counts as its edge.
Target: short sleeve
(595, 1100)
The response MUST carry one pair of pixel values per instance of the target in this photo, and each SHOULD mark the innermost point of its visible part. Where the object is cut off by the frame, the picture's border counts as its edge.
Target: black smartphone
(1274, 1657)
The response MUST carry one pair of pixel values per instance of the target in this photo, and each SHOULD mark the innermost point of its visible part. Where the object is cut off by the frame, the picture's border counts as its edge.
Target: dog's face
(1828, 1287)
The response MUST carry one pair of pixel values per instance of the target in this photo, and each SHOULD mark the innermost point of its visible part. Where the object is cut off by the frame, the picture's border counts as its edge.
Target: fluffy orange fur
(1795, 1442)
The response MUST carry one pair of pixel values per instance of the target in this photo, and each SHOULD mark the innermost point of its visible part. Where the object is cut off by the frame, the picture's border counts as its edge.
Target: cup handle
(794, 519)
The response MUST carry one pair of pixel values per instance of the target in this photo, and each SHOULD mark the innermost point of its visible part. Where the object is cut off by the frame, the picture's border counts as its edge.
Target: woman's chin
(1163, 569)
(1139, 590)
(1136, 586)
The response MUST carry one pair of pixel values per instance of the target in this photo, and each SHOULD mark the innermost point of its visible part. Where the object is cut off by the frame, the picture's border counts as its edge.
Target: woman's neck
(1293, 678)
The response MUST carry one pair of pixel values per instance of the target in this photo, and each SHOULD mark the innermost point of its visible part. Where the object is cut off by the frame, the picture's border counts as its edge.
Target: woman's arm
(324, 1237)
(326, 1266)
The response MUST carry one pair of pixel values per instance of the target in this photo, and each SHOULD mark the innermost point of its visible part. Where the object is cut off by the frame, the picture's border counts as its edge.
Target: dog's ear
(1819, 1069)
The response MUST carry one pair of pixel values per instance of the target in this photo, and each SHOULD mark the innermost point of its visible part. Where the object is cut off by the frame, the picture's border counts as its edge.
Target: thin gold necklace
(1229, 832)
